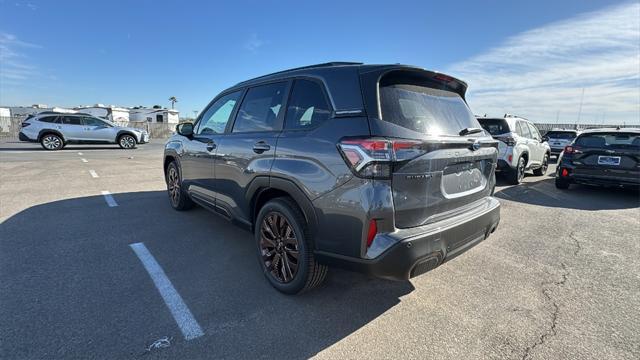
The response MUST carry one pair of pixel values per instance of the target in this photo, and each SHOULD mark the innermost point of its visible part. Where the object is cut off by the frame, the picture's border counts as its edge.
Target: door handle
(211, 145)
(261, 147)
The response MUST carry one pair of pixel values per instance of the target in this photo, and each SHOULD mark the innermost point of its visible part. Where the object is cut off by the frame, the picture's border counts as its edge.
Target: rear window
(495, 126)
(610, 140)
(562, 135)
(425, 110)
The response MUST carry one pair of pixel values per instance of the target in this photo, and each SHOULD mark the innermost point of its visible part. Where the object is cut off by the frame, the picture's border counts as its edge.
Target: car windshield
(425, 110)
(610, 140)
(495, 126)
(561, 135)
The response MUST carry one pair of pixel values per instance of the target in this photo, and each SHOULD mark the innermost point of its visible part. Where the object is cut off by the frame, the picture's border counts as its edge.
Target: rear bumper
(603, 180)
(608, 177)
(420, 249)
(23, 137)
(556, 150)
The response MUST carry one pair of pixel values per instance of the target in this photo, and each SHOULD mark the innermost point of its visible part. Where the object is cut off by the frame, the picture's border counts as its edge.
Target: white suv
(520, 146)
(55, 130)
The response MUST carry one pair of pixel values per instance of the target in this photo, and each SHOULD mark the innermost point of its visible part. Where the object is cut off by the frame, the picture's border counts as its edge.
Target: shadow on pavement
(72, 287)
(580, 197)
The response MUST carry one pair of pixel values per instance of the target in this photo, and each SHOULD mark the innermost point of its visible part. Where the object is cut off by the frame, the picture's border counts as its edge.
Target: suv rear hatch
(614, 154)
(442, 161)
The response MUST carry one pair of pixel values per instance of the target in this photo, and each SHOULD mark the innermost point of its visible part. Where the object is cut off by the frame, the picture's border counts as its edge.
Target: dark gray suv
(380, 169)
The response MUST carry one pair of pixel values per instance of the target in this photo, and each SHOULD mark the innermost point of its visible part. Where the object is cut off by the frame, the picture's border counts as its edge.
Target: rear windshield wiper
(469, 130)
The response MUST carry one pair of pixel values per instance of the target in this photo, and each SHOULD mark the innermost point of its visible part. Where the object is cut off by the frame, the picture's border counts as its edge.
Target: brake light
(374, 157)
(565, 172)
(373, 230)
(507, 140)
(571, 150)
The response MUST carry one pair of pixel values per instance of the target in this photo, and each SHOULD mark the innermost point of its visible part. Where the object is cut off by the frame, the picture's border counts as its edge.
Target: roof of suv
(342, 79)
(610, 130)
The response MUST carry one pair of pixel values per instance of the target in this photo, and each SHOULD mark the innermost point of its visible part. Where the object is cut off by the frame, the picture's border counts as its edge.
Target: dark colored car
(375, 168)
(608, 157)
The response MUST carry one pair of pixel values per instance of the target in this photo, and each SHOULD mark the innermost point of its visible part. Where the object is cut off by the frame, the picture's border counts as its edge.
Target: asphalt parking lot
(559, 279)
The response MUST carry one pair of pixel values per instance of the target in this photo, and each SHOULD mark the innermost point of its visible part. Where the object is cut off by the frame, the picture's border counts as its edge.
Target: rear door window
(523, 130)
(307, 107)
(495, 126)
(71, 120)
(425, 110)
(260, 109)
(49, 119)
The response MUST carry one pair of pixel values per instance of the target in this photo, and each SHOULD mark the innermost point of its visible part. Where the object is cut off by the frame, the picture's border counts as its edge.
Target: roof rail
(328, 64)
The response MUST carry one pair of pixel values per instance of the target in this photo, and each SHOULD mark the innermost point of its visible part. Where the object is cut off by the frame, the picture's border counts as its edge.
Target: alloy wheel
(279, 247)
(51, 142)
(127, 141)
(545, 164)
(521, 169)
(173, 185)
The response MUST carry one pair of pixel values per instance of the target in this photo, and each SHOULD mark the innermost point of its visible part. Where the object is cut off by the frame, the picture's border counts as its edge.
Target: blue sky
(529, 58)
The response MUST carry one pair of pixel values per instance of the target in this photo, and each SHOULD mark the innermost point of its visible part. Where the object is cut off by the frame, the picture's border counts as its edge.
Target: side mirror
(185, 129)
(545, 138)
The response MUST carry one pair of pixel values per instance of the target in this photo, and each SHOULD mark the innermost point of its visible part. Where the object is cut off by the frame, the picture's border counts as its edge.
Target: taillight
(374, 157)
(571, 150)
(564, 172)
(373, 230)
(507, 140)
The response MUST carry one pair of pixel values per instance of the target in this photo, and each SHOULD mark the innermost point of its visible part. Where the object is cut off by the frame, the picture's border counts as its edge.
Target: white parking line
(109, 199)
(80, 153)
(93, 174)
(181, 313)
(84, 160)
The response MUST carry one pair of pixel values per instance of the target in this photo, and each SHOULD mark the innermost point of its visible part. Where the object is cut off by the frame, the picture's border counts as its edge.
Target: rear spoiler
(371, 78)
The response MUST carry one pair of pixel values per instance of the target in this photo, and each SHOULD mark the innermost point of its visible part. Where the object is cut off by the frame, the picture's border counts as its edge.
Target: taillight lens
(374, 157)
(571, 150)
(373, 230)
(507, 140)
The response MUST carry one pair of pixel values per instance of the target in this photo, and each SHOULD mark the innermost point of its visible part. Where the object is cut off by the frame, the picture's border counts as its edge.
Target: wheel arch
(125, 132)
(263, 189)
(44, 132)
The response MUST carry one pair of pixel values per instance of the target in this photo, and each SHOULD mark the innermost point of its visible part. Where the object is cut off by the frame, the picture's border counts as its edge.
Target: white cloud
(541, 73)
(254, 43)
(14, 66)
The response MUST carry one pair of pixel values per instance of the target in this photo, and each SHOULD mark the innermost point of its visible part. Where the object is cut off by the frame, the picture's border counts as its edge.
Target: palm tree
(173, 100)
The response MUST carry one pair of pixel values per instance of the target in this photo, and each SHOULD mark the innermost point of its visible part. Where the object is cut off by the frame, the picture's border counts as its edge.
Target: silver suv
(520, 146)
(55, 130)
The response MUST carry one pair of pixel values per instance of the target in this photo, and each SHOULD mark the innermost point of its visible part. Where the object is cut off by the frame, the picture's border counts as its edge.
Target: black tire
(562, 184)
(51, 142)
(127, 141)
(515, 176)
(543, 168)
(178, 198)
(308, 273)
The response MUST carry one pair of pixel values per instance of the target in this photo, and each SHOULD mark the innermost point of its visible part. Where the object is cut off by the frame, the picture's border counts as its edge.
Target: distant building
(143, 114)
(108, 112)
(35, 109)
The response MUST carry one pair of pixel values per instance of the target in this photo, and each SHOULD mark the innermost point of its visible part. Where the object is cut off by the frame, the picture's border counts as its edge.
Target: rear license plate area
(463, 178)
(609, 160)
